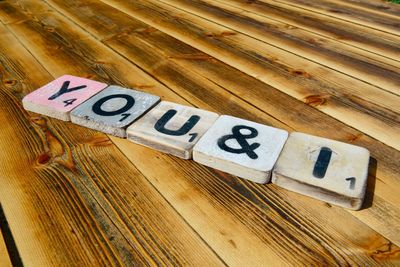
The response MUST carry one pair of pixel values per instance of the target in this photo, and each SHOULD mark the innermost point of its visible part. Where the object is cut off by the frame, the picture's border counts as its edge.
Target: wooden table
(77, 197)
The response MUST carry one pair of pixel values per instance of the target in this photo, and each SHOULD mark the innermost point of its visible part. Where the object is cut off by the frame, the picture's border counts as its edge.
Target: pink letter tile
(62, 95)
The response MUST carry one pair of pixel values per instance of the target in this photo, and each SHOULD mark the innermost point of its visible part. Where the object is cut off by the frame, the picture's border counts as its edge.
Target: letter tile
(172, 128)
(112, 110)
(325, 169)
(58, 98)
(241, 147)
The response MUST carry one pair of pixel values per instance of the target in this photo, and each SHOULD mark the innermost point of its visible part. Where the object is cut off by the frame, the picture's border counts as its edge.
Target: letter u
(189, 124)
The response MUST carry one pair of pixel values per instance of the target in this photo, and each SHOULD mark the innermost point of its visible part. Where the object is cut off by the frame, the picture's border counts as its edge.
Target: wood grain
(349, 13)
(147, 43)
(134, 55)
(297, 41)
(344, 32)
(66, 206)
(180, 213)
(377, 6)
(245, 238)
(292, 75)
(287, 221)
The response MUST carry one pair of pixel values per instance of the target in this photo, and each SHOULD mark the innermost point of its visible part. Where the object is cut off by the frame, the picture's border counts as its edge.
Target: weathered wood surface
(347, 99)
(72, 205)
(298, 41)
(341, 31)
(378, 6)
(349, 13)
(77, 200)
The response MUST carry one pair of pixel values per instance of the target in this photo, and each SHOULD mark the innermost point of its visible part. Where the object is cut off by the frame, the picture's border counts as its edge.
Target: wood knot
(290, 27)
(147, 30)
(143, 31)
(222, 34)
(353, 138)
(300, 73)
(90, 76)
(38, 120)
(342, 37)
(10, 83)
(336, 11)
(43, 158)
(49, 29)
(232, 243)
(385, 252)
(315, 100)
(313, 41)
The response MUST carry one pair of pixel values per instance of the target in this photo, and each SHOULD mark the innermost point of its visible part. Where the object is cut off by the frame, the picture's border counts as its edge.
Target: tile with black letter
(57, 98)
(240, 147)
(113, 109)
(325, 169)
(171, 128)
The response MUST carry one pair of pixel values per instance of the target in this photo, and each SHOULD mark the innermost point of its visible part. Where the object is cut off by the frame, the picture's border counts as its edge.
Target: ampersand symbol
(242, 141)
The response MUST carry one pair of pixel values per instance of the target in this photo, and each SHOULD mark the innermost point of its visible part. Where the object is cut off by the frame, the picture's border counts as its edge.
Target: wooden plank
(146, 43)
(199, 222)
(129, 74)
(4, 257)
(292, 75)
(244, 237)
(64, 203)
(246, 201)
(277, 216)
(297, 41)
(378, 6)
(341, 31)
(358, 16)
(280, 17)
(288, 110)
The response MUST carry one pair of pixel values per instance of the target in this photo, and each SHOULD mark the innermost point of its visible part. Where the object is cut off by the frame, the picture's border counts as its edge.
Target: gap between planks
(378, 7)
(349, 64)
(239, 230)
(384, 24)
(278, 16)
(240, 58)
(381, 44)
(26, 249)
